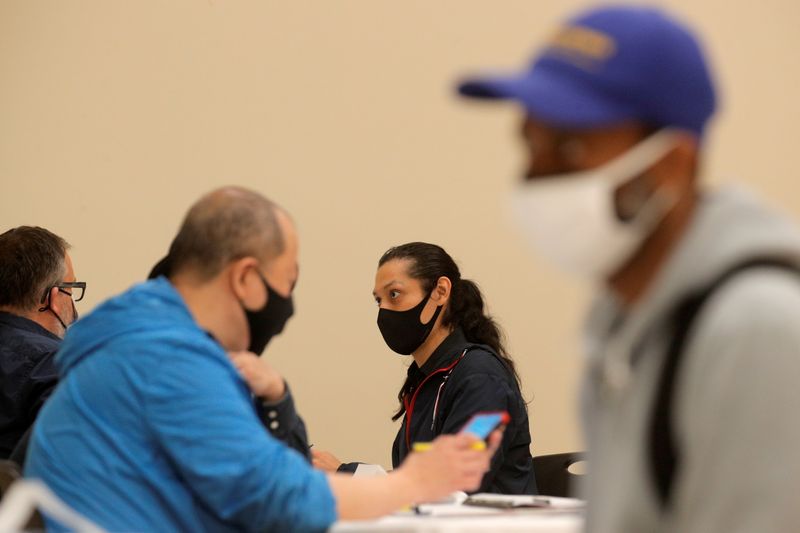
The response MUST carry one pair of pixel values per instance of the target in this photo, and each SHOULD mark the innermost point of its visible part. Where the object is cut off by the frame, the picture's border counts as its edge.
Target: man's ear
(673, 175)
(677, 171)
(246, 283)
(51, 300)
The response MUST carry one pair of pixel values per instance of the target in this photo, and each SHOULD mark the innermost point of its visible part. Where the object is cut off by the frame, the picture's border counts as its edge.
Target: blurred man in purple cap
(694, 338)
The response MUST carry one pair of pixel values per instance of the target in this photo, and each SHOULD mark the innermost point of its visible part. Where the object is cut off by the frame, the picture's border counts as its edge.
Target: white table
(459, 518)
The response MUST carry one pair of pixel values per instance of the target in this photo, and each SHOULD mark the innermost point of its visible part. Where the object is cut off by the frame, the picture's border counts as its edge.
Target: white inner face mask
(571, 219)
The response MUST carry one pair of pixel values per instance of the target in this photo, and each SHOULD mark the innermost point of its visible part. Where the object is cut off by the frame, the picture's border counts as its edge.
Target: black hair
(466, 309)
(31, 262)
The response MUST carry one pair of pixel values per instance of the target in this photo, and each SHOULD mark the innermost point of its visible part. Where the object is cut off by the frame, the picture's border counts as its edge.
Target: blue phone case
(482, 424)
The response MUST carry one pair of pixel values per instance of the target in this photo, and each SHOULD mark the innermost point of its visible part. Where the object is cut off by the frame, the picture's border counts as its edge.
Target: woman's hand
(263, 380)
(325, 460)
(454, 462)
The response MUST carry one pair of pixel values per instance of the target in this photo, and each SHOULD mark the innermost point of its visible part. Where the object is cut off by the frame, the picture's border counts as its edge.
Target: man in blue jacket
(153, 426)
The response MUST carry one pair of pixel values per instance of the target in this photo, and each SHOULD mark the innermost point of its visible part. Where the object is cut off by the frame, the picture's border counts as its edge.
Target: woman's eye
(394, 294)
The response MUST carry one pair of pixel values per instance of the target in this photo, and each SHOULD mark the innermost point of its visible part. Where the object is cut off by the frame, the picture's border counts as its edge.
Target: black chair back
(553, 477)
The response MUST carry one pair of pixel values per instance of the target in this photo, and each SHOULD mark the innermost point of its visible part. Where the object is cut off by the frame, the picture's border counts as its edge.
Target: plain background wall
(116, 116)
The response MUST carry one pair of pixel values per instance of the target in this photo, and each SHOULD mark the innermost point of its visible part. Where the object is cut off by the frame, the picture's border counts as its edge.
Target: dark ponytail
(466, 309)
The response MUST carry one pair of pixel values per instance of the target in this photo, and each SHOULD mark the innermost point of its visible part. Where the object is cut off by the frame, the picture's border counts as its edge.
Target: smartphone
(510, 501)
(482, 424)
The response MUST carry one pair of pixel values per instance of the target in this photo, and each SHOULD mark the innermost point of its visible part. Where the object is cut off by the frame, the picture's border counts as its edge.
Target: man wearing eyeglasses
(38, 292)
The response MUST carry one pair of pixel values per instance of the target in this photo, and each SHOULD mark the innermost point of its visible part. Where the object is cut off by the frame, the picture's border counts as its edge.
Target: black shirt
(282, 421)
(27, 375)
(478, 382)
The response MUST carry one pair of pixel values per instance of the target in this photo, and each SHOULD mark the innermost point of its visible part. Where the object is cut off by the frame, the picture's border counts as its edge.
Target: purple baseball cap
(610, 65)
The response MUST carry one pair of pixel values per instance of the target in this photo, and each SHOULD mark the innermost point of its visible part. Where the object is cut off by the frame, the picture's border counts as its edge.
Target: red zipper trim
(410, 404)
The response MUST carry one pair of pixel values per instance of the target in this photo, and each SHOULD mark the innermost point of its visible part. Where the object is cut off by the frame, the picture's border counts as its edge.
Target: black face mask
(402, 330)
(269, 320)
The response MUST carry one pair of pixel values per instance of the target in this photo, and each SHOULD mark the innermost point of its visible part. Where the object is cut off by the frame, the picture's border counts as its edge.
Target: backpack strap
(664, 452)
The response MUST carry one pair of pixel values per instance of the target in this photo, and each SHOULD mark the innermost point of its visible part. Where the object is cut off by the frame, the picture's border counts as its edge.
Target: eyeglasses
(78, 288)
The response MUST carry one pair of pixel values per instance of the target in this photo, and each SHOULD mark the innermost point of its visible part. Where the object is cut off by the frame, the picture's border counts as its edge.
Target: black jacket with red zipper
(460, 379)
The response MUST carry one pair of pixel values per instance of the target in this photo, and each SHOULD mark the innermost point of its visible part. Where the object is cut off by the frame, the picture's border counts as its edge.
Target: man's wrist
(405, 483)
(275, 394)
(278, 416)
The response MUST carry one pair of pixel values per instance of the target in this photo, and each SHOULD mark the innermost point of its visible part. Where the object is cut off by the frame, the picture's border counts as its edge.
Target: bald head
(225, 225)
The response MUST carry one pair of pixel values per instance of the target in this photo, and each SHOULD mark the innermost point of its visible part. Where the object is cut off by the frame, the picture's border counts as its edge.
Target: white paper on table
(506, 503)
(367, 470)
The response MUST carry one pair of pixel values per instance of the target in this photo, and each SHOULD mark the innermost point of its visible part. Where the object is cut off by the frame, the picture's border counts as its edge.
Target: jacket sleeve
(282, 421)
(348, 468)
(202, 416)
(736, 407)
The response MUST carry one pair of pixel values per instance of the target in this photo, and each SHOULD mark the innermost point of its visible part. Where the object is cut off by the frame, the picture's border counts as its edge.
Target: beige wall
(115, 116)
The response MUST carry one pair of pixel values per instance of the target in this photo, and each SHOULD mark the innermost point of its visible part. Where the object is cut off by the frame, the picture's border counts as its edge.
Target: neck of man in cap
(633, 280)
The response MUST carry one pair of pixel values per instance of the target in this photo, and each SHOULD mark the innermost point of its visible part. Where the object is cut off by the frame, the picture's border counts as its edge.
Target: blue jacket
(152, 429)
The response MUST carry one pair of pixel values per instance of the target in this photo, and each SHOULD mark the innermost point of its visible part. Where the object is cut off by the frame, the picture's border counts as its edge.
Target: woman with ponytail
(460, 364)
